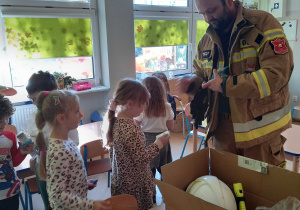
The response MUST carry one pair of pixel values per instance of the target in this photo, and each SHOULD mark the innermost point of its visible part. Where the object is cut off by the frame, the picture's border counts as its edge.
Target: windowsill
(141, 76)
(92, 90)
(21, 99)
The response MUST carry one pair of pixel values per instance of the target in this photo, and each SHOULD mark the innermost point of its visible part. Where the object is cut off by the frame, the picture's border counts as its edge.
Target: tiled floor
(102, 192)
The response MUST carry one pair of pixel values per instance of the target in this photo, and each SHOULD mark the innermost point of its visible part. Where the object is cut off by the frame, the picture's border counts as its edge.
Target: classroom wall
(116, 29)
(293, 13)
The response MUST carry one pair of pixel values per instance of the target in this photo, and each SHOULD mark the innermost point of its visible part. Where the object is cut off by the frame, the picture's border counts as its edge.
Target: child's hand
(102, 205)
(164, 139)
(91, 185)
(26, 150)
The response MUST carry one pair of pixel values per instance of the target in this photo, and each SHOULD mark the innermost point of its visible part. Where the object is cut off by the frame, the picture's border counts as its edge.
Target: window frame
(150, 15)
(63, 13)
(196, 17)
(49, 3)
(189, 8)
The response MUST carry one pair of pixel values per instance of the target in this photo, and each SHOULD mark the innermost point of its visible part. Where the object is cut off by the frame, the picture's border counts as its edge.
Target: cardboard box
(259, 189)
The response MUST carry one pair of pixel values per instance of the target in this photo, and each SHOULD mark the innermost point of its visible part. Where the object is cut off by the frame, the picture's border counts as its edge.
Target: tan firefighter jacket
(260, 66)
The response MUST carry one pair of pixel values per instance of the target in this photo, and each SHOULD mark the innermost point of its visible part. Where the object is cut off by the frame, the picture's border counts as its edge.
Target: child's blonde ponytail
(40, 139)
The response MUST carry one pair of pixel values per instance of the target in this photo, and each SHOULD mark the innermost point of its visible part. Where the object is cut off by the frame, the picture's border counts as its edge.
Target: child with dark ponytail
(130, 158)
(62, 164)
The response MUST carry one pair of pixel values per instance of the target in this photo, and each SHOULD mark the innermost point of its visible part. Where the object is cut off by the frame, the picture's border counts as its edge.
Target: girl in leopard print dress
(157, 118)
(62, 165)
(130, 158)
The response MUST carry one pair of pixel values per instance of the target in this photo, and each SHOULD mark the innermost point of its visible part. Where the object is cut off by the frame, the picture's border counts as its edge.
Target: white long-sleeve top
(66, 176)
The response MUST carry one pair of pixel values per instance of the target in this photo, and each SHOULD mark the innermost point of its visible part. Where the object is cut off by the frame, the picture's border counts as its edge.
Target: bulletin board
(290, 29)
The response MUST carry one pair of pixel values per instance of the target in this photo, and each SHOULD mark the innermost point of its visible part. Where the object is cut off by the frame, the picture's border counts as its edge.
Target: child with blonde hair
(67, 183)
(42, 81)
(157, 118)
(130, 157)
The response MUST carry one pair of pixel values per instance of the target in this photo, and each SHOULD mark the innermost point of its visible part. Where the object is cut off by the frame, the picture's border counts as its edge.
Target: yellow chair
(200, 132)
(92, 150)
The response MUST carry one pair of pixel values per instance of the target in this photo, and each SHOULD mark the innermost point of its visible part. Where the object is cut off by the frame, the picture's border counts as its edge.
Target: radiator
(22, 115)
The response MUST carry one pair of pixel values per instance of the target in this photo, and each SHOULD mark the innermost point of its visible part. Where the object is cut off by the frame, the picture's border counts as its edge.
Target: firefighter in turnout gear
(245, 62)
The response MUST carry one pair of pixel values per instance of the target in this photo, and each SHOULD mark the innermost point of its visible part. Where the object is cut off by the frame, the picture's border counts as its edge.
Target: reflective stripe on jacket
(260, 66)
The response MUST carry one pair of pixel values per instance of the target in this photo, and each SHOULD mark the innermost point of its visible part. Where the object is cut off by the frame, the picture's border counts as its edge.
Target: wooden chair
(31, 187)
(200, 132)
(123, 202)
(181, 101)
(11, 128)
(92, 150)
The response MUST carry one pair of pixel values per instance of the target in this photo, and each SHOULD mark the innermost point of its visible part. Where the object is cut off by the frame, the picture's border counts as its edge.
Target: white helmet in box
(213, 190)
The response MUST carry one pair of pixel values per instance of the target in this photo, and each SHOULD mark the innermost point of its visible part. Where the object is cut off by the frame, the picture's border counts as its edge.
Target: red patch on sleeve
(279, 46)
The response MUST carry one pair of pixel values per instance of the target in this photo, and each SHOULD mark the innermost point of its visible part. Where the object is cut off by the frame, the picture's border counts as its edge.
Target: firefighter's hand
(214, 84)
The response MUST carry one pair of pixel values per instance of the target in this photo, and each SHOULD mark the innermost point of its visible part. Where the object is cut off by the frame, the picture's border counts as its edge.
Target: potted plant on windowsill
(63, 80)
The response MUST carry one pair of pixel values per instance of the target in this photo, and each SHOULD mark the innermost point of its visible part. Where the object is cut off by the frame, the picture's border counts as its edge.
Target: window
(166, 36)
(64, 40)
(61, 45)
(174, 3)
(161, 45)
(163, 5)
(90, 4)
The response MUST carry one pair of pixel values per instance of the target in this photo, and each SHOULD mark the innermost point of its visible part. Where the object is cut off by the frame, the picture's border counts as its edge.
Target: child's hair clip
(46, 93)
(56, 100)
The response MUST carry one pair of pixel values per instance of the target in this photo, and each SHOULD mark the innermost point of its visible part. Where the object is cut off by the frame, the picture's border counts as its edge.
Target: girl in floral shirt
(67, 183)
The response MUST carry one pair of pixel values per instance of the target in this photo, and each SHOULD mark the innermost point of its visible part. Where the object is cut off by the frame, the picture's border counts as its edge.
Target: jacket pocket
(259, 107)
(277, 145)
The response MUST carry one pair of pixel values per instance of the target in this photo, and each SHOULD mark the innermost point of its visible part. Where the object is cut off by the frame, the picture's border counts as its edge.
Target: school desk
(292, 145)
(87, 132)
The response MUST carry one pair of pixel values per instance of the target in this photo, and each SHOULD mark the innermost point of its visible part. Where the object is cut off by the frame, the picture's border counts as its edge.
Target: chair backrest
(123, 202)
(96, 117)
(11, 128)
(188, 114)
(94, 149)
(293, 109)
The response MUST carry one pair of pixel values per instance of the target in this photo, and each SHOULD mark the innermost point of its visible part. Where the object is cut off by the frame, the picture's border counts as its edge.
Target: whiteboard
(289, 28)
